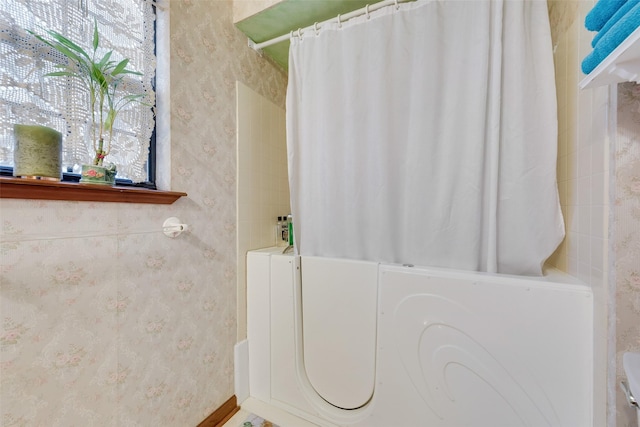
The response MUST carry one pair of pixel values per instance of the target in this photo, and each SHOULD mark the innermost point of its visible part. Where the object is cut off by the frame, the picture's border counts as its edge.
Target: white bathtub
(410, 346)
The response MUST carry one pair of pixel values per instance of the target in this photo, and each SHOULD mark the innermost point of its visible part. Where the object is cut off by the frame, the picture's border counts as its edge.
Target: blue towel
(615, 18)
(601, 13)
(612, 39)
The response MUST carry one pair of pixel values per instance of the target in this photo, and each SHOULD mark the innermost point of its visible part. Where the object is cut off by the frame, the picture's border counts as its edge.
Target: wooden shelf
(622, 65)
(19, 188)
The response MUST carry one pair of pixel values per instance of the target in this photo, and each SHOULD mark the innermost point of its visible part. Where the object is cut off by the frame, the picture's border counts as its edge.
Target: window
(128, 28)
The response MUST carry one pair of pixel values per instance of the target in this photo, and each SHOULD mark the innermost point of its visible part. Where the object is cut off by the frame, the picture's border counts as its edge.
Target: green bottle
(290, 221)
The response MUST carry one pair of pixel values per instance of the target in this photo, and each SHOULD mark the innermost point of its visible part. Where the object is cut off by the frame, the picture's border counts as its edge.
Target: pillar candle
(37, 152)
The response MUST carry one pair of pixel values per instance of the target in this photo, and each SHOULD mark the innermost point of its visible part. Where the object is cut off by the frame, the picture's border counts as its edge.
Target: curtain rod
(318, 25)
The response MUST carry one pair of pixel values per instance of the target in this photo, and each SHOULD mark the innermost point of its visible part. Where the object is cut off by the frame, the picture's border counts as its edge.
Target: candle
(37, 152)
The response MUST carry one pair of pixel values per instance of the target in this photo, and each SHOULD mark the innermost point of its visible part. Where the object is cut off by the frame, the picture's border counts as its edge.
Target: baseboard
(222, 414)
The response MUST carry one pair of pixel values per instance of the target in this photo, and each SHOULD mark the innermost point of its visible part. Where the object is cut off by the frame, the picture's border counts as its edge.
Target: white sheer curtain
(26, 96)
(426, 134)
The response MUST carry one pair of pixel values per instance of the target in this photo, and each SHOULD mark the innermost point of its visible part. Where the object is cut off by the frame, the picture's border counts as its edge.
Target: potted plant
(102, 78)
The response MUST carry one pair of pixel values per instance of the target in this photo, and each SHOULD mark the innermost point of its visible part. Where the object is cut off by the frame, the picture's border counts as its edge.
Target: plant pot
(92, 174)
(37, 152)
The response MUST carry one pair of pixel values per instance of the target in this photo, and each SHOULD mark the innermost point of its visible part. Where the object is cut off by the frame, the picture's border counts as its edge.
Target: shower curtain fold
(427, 135)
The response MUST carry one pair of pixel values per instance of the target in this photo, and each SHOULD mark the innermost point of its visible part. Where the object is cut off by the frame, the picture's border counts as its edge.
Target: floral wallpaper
(105, 321)
(627, 230)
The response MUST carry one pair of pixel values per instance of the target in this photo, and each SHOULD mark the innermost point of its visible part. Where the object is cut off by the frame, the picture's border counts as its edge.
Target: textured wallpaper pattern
(104, 320)
(627, 230)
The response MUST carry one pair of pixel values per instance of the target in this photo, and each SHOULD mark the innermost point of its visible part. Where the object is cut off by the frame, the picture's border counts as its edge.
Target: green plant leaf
(68, 43)
(104, 59)
(96, 37)
(120, 67)
(61, 73)
(66, 52)
(98, 76)
(39, 37)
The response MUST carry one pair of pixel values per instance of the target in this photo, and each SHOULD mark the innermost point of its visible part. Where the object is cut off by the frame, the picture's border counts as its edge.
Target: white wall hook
(172, 227)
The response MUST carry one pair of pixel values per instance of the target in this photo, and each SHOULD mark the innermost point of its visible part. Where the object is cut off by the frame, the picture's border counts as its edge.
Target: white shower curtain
(426, 134)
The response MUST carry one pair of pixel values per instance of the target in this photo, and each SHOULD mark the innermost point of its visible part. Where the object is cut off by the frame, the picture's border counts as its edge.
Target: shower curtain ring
(366, 11)
(300, 33)
(315, 28)
(397, 5)
(339, 21)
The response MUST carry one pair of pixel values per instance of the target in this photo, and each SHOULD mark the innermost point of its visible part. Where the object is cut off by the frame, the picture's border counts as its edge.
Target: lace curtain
(27, 97)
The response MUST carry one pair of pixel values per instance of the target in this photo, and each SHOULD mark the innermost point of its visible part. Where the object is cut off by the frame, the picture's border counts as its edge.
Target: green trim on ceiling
(289, 15)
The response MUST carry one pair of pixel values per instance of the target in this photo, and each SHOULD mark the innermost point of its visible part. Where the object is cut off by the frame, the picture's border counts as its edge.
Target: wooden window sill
(21, 188)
